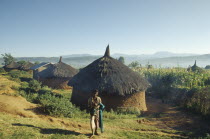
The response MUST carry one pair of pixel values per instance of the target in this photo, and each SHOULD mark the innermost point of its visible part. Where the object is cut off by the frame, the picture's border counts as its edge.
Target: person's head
(94, 93)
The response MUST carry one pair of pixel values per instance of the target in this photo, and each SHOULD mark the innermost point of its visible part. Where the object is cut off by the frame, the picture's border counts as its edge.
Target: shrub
(14, 87)
(207, 67)
(2, 70)
(14, 74)
(24, 85)
(34, 85)
(53, 104)
(199, 101)
(58, 106)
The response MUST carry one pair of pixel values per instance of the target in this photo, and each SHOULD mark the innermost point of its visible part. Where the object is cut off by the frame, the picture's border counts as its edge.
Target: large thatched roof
(60, 70)
(12, 65)
(109, 76)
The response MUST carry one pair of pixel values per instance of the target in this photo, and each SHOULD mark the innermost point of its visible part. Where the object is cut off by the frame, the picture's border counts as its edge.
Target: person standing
(93, 104)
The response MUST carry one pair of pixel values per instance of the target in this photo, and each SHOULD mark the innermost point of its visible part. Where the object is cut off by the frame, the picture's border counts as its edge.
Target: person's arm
(99, 100)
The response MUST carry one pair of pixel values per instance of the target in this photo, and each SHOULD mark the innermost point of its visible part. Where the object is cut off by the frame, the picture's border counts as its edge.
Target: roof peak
(107, 53)
(195, 63)
(60, 59)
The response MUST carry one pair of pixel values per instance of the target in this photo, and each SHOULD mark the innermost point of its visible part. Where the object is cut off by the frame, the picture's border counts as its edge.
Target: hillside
(22, 119)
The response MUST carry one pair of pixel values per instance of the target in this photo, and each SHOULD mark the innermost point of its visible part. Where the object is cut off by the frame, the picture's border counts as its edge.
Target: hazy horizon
(148, 54)
(54, 28)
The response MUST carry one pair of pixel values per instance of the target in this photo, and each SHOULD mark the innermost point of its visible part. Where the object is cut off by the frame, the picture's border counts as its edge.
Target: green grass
(24, 128)
(76, 124)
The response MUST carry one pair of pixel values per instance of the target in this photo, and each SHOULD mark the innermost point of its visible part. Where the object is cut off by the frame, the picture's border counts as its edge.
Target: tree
(122, 59)
(207, 67)
(22, 62)
(150, 67)
(134, 64)
(8, 58)
(37, 62)
(35, 85)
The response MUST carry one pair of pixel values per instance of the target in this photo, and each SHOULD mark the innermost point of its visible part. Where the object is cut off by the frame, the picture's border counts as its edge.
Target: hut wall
(57, 83)
(136, 100)
(35, 74)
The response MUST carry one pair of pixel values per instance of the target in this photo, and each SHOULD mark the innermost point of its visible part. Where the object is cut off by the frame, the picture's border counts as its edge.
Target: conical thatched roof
(12, 65)
(27, 66)
(59, 69)
(195, 68)
(109, 76)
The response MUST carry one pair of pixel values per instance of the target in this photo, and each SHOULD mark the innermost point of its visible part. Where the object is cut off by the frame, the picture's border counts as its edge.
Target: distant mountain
(161, 54)
(76, 55)
(159, 59)
(184, 61)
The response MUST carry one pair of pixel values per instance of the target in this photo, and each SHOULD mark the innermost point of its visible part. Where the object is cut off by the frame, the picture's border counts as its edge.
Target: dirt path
(172, 118)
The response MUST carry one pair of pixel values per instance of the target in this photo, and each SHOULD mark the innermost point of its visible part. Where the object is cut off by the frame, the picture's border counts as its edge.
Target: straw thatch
(110, 77)
(54, 75)
(58, 70)
(11, 66)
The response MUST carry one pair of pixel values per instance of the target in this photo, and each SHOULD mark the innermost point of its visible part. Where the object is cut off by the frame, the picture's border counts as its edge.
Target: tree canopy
(8, 58)
(122, 59)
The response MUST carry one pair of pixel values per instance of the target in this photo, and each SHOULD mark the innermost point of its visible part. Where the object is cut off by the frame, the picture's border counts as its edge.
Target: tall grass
(177, 85)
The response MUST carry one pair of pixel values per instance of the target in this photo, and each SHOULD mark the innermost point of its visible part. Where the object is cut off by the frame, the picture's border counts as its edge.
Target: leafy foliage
(207, 67)
(179, 86)
(35, 85)
(58, 105)
(22, 62)
(122, 59)
(134, 64)
(8, 58)
(2, 70)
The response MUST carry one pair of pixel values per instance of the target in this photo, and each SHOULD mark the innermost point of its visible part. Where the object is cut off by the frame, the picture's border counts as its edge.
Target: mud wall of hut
(136, 100)
(56, 83)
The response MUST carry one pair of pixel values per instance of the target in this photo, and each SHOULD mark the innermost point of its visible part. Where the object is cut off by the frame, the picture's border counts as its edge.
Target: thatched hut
(12, 66)
(27, 66)
(118, 85)
(54, 75)
(195, 68)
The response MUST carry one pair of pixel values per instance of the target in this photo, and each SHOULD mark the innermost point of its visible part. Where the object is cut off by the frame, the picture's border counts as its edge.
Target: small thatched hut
(12, 66)
(54, 75)
(195, 68)
(118, 85)
(27, 66)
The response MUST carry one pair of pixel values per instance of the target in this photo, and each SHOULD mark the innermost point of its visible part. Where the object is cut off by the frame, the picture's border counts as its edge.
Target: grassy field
(12, 126)
(24, 119)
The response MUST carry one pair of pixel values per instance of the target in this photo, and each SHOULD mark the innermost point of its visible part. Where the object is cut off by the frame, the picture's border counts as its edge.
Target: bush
(53, 104)
(34, 85)
(199, 101)
(14, 74)
(2, 70)
(24, 85)
(58, 106)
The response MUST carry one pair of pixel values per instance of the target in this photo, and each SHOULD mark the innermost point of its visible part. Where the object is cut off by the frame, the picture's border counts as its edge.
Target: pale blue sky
(62, 27)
